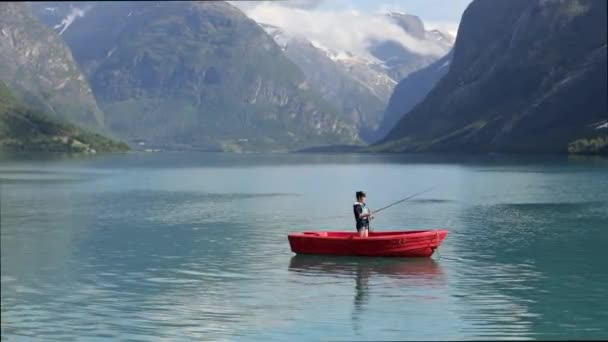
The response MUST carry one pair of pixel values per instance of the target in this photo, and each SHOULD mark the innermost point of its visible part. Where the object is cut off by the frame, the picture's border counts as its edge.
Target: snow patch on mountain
(370, 73)
(69, 19)
(602, 125)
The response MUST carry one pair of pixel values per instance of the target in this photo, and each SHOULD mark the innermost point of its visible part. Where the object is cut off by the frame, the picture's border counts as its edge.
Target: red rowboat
(415, 243)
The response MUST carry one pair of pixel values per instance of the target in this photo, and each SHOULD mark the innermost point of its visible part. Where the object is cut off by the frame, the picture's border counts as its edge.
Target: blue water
(192, 246)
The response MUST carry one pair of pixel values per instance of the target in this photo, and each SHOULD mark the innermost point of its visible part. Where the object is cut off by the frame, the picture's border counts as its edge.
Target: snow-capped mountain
(355, 88)
(388, 61)
(357, 82)
(444, 39)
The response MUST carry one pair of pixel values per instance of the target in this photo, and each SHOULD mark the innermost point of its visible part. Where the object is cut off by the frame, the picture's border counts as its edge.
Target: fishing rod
(399, 201)
(402, 200)
(386, 207)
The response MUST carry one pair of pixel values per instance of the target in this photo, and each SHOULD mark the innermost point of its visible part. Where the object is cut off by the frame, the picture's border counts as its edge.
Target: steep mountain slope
(333, 81)
(526, 76)
(360, 86)
(410, 91)
(24, 129)
(387, 60)
(199, 75)
(38, 66)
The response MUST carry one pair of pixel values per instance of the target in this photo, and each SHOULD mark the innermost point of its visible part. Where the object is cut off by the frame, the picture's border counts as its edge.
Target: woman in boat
(362, 214)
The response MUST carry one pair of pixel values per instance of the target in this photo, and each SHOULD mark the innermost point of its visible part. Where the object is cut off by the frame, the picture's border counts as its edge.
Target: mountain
(388, 59)
(40, 68)
(334, 81)
(410, 91)
(377, 50)
(397, 59)
(360, 86)
(526, 76)
(195, 75)
(27, 130)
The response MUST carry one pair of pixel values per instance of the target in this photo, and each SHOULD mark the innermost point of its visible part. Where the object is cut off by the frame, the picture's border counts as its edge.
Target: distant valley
(205, 76)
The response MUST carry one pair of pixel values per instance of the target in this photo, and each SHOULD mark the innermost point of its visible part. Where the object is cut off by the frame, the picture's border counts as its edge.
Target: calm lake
(193, 246)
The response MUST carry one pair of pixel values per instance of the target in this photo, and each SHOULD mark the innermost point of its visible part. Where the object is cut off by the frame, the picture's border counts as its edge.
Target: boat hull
(419, 243)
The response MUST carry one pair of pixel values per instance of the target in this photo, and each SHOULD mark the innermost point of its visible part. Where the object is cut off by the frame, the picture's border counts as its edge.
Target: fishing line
(385, 207)
(402, 200)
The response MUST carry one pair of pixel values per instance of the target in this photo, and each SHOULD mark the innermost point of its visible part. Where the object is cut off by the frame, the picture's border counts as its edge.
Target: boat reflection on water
(398, 272)
(423, 268)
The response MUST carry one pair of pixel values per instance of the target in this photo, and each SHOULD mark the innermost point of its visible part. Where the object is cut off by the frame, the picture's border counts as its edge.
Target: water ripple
(118, 256)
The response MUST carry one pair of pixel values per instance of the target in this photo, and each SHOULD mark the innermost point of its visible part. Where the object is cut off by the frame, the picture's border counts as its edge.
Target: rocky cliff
(526, 76)
(40, 69)
(199, 75)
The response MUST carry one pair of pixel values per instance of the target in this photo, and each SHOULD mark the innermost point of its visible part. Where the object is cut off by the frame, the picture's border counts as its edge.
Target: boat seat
(323, 234)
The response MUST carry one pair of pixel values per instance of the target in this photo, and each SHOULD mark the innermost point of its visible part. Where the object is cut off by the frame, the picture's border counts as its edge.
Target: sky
(352, 25)
(445, 13)
(440, 14)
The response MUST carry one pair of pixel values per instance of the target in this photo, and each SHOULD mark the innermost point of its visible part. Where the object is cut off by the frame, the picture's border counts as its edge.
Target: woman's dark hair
(360, 194)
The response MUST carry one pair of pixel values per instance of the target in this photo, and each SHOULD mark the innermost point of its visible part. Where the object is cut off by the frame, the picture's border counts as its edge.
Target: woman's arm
(370, 215)
(358, 211)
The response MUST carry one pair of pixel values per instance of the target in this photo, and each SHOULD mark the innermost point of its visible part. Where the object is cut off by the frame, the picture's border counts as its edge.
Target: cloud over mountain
(340, 30)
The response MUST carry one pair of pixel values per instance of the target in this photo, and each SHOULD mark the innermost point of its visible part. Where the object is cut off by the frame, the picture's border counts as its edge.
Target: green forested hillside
(25, 129)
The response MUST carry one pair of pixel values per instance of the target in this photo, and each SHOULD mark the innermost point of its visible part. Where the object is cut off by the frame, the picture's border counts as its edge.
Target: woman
(362, 214)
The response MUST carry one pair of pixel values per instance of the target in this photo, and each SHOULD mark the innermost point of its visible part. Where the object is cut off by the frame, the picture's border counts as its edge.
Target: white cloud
(443, 26)
(69, 19)
(303, 4)
(450, 27)
(340, 30)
